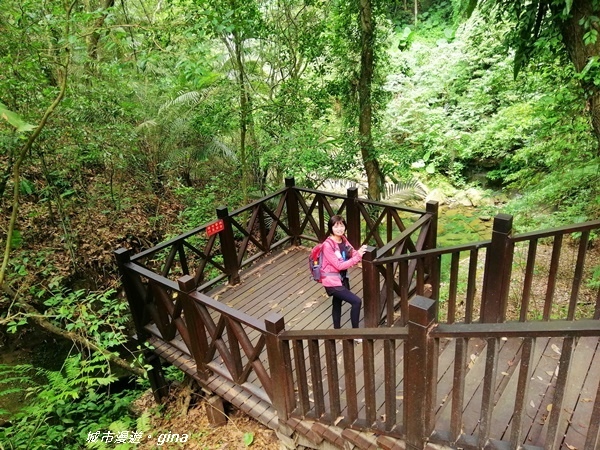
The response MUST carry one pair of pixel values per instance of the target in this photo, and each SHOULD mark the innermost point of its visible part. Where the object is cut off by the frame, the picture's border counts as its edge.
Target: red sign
(215, 227)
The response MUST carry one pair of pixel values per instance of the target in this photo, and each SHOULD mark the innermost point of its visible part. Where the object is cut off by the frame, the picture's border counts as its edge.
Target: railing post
(432, 207)
(353, 217)
(137, 306)
(156, 376)
(431, 266)
(275, 324)
(228, 249)
(293, 210)
(371, 289)
(194, 324)
(498, 267)
(420, 371)
(137, 303)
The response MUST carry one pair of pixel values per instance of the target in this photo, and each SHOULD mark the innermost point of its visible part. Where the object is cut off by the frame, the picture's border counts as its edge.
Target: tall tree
(357, 54)
(235, 23)
(576, 23)
(60, 59)
(365, 113)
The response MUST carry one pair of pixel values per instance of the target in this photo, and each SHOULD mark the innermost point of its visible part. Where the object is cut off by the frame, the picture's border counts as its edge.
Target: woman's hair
(332, 221)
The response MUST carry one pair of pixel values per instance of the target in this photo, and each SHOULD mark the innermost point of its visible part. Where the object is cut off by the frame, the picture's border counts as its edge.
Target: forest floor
(184, 412)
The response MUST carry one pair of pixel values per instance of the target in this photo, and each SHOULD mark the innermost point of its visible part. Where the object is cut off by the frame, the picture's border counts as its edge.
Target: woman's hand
(362, 250)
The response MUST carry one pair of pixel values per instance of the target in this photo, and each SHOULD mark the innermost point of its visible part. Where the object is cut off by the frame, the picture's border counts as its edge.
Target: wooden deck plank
(506, 368)
(505, 396)
(476, 366)
(472, 413)
(542, 384)
(576, 377)
(580, 420)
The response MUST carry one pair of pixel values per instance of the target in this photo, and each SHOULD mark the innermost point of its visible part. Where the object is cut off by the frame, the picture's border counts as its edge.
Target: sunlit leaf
(14, 119)
(248, 439)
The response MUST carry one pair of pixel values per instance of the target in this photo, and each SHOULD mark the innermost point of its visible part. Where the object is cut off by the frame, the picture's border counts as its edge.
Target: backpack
(315, 263)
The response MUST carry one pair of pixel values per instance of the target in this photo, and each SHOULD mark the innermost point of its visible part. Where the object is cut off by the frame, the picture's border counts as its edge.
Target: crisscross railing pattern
(369, 222)
(226, 341)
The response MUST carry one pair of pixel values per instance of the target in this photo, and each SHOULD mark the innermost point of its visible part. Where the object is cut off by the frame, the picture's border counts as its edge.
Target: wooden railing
(505, 278)
(289, 215)
(506, 287)
(339, 386)
(461, 292)
(165, 284)
(493, 334)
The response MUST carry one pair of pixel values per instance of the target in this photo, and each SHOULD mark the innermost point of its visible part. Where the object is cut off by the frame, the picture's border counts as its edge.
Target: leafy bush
(63, 406)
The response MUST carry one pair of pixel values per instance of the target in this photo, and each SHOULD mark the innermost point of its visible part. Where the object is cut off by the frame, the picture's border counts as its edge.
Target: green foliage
(457, 112)
(98, 316)
(63, 406)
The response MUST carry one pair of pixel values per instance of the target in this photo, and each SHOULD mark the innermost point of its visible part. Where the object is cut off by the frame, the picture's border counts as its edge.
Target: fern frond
(190, 98)
(406, 191)
(10, 391)
(147, 124)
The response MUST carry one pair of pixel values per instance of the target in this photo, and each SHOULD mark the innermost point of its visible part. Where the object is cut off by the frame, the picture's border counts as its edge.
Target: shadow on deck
(279, 283)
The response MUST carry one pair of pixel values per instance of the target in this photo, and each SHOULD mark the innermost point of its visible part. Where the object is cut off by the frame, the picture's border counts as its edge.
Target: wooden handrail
(346, 333)
(432, 253)
(585, 226)
(418, 224)
(557, 328)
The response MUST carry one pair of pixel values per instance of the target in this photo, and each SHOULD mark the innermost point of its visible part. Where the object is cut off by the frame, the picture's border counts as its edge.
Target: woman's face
(338, 229)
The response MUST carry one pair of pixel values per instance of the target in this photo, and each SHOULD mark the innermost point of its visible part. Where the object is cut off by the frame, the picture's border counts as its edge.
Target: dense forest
(123, 123)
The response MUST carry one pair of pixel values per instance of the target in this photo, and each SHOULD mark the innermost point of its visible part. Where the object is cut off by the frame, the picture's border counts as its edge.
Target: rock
(462, 199)
(437, 195)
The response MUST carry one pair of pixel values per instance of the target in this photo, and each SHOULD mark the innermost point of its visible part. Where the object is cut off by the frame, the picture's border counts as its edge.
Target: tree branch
(31, 313)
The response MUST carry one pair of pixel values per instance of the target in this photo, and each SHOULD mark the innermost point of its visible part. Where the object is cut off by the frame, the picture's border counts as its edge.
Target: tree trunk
(92, 48)
(248, 144)
(580, 53)
(374, 176)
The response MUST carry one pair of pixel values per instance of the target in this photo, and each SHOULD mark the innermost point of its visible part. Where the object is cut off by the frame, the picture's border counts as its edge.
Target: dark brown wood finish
(470, 377)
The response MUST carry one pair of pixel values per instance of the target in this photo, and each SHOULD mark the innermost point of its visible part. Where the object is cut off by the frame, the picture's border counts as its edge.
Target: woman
(338, 257)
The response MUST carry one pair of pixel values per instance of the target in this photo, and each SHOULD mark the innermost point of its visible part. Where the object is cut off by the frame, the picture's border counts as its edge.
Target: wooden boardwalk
(280, 283)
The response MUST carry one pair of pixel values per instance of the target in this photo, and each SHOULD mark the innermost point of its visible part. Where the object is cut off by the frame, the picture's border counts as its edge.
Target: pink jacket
(333, 262)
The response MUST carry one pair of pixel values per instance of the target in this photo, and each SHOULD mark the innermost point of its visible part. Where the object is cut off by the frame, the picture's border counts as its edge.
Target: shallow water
(463, 225)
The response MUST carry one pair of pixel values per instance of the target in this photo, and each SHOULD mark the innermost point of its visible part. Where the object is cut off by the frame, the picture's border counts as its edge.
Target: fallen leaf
(571, 447)
(532, 404)
(505, 374)
(338, 420)
(549, 407)
(555, 348)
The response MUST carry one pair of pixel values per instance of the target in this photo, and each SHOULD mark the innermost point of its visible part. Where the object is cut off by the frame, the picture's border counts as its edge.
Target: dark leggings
(339, 294)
